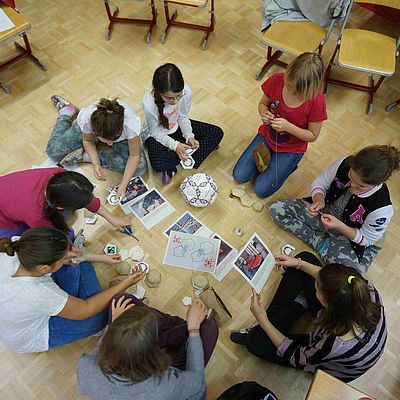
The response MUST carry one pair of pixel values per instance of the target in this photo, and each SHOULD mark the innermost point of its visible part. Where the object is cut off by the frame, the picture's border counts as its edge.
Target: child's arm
(131, 165)
(308, 135)
(263, 109)
(90, 147)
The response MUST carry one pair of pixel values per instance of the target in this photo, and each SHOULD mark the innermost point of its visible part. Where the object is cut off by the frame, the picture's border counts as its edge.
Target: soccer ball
(199, 190)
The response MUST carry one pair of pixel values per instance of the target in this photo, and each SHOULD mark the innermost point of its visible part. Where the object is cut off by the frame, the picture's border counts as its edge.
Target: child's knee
(263, 190)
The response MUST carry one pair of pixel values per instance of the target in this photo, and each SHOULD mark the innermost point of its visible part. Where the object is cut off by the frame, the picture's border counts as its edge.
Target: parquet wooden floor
(69, 38)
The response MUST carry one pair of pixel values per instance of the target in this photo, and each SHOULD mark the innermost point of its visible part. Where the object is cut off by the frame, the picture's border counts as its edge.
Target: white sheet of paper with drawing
(5, 22)
(192, 252)
(188, 223)
(255, 262)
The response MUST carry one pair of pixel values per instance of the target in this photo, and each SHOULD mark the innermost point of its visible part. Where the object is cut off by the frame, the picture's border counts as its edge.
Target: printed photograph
(251, 258)
(224, 250)
(187, 223)
(145, 206)
(136, 187)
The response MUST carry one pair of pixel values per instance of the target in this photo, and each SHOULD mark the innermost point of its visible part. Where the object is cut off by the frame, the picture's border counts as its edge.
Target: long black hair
(67, 190)
(166, 78)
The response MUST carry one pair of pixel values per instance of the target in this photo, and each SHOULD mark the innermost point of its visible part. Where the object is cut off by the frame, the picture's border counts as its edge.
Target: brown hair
(375, 164)
(37, 246)
(108, 120)
(130, 346)
(349, 305)
(306, 72)
(166, 78)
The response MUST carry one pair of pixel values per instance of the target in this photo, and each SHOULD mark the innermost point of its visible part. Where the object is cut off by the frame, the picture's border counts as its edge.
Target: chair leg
(329, 69)
(370, 95)
(212, 25)
(5, 88)
(272, 58)
(392, 106)
(169, 20)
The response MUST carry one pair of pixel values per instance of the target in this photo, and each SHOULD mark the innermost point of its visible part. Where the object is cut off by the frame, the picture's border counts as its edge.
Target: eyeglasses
(180, 95)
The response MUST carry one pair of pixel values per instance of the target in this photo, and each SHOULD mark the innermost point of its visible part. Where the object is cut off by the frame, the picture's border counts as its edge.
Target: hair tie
(109, 111)
(15, 245)
(350, 278)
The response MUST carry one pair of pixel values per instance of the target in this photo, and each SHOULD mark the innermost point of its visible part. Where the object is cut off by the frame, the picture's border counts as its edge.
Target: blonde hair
(306, 72)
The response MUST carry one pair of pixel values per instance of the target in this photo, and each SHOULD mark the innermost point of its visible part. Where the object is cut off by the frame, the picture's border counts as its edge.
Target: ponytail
(8, 246)
(166, 78)
(108, 119)
(349, 302)
(37, 246)
(375, 164)
(69, 191)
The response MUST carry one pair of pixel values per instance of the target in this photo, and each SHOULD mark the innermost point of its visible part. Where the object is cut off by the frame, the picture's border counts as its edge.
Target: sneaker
(239, 336)
(63, 106)
(74, 157)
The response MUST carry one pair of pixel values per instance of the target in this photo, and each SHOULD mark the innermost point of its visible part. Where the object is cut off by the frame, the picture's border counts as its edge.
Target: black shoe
(238, 338)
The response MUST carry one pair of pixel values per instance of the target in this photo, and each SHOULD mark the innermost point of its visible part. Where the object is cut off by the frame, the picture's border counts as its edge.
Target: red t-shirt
(22, 198)
(310, 111)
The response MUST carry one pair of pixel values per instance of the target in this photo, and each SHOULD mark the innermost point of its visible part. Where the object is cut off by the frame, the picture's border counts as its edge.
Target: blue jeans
(267, 183)
(78, 281)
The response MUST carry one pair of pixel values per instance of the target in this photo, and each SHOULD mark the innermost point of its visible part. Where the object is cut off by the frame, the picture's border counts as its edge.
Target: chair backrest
(386, 3)
(339, 17)
(346, 18)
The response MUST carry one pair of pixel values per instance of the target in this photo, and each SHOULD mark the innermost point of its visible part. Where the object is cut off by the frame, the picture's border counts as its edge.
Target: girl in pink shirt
(38, 197)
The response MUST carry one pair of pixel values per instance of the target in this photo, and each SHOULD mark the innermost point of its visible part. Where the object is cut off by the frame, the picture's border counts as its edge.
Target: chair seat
(367, 51)
(194, 3)
(20, 22)
(294, 37)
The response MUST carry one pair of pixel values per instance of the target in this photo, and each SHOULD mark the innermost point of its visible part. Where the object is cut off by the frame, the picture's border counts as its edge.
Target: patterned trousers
(164, 159)
(67, 137)
(332, 246)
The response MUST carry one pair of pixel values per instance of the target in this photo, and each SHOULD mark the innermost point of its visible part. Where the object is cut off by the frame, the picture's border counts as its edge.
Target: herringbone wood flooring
(69, 38)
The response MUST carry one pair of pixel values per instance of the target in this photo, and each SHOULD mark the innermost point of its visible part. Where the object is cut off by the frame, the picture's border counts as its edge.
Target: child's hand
(193, 143)
(120, 306)
(315, 207)
(256, 306)
(330, 222)
(121, 192)
(119, 222)
(99, 172)
(267, 117)
(280, 125)
(181, 151)
(282, 260)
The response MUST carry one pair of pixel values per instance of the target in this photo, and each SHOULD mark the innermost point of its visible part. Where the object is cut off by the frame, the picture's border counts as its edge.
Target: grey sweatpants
(332, 246)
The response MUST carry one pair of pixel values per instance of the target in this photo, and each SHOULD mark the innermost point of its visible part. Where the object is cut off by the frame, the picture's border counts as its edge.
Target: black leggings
(164, 159)
(283, 311)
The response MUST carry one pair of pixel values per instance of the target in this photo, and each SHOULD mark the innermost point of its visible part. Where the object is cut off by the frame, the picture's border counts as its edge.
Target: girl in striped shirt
(350, 332)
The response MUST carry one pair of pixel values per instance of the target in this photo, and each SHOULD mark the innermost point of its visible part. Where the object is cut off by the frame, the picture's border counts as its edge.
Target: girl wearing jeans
(292, 109)
(44, 304)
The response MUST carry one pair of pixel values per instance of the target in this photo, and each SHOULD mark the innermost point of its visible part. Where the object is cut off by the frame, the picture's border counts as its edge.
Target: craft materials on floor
(151, 208)
(192, 252)
(254, 262)
(110, 249)
(226, 255)
(188, 223)
(153, 278)
(199, 190)
(136, 188)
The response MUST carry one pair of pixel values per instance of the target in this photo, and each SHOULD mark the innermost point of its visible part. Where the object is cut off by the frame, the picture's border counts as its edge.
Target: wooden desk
(326, 387)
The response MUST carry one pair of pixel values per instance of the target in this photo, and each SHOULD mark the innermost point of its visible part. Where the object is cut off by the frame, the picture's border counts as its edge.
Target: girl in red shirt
(292, 109)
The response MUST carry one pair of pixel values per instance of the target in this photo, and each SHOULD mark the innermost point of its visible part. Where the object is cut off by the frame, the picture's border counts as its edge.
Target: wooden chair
(295, 38)
(113, 18)
(171, 20)
(365, 51)
(21, 26)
